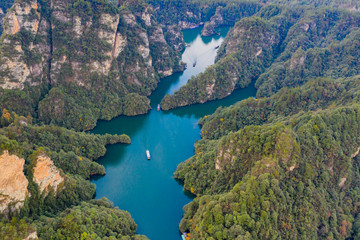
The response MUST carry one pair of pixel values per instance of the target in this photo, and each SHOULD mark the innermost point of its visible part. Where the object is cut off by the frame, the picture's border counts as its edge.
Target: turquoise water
(146, 188)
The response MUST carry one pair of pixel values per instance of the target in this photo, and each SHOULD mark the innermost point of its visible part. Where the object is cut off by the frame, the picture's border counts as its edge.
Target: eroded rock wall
(25, 51)
(34, 44)
(46, 174)
(13, 182)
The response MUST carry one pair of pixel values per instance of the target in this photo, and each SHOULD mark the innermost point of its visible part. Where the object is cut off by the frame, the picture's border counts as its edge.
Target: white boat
(148, 154)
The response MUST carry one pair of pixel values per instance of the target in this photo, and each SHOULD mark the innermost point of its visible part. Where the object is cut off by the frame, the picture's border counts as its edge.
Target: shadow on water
(221, 32)
(113, 154)
(122, 126)
(186, 192)
(191, 34)
(163, 88)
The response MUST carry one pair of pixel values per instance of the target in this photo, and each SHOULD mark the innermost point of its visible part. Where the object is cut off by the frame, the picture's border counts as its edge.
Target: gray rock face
(24, 20)
(208, 30)
(215, 21)
(175, 38)
(63, 48)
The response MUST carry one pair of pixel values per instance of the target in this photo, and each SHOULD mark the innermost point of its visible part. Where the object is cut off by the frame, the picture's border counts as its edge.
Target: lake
(146, 188)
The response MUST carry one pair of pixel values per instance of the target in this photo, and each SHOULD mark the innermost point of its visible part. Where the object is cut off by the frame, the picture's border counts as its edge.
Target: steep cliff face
(90, 56)
(66, 24)
(50, 177)
(24, 49)
(13, 183)
(108, 32)
(318, 44)
(175, 38)
(46, 174)
(215, 21)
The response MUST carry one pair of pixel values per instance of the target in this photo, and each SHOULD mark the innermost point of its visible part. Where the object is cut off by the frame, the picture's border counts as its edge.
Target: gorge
(257, 136)
(146, 188)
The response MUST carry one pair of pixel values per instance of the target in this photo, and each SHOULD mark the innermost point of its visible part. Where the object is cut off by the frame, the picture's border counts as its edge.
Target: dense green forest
(278, 47)
(87, 221)
(196, 12)
(280, 167)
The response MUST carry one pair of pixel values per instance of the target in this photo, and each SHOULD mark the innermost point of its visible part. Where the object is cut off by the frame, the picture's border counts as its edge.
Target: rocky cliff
(22, 61)
(215, 21)
(91, 48)
(71, 60)
(13, 183)
(46, 174)
(32, 236)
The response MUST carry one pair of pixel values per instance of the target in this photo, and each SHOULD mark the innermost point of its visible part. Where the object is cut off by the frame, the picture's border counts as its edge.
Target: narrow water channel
(146, 188)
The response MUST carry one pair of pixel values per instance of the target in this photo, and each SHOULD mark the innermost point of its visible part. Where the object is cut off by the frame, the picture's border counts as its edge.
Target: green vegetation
(297, 45)
(195, 12)
(78, 108)
(315, 94)
(15, 229)
(87, 221)
(68, 87)
(280, 167)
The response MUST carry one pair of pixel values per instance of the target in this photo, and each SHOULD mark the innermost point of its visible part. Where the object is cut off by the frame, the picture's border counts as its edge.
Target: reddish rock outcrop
(46, 174)
(13, 183)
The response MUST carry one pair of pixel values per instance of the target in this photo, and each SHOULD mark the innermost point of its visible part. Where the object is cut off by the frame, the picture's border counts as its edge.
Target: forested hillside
(212, 14)
(278, 47)
(280, 167)
(216, 13)
(45, 169)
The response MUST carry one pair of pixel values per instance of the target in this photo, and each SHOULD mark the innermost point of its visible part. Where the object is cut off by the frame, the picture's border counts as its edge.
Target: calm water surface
(146, 188)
